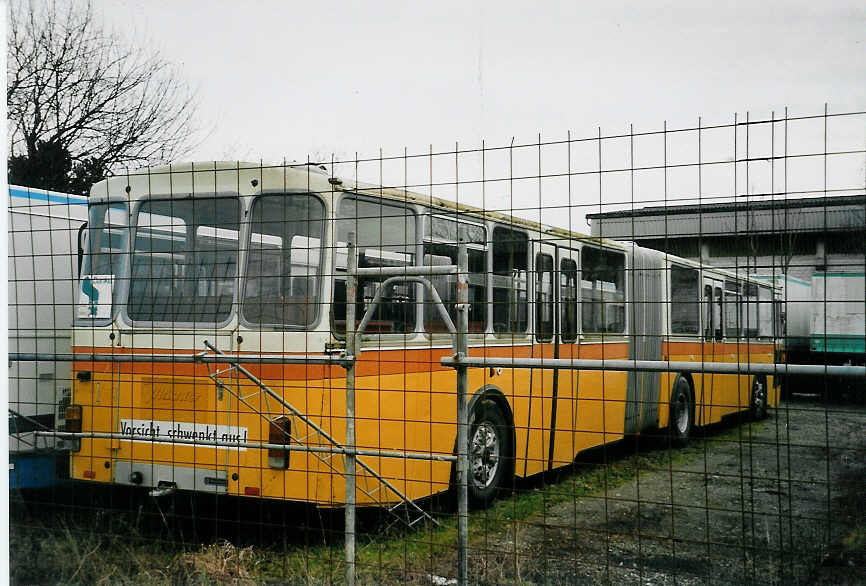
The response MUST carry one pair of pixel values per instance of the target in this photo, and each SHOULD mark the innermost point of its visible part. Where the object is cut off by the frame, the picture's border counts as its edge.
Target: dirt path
(760, 503)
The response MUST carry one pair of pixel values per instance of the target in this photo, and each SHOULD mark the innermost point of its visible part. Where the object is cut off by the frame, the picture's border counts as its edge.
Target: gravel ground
(777, 502)
(766, 503)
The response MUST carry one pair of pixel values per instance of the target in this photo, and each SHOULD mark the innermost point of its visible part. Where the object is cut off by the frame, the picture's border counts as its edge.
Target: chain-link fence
(634, 357)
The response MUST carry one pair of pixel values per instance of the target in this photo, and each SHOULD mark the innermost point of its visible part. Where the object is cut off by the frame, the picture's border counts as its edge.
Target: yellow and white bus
(253, 260)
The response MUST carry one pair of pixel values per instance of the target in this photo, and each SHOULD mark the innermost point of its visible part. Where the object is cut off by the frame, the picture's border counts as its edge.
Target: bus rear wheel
(682, 413)
(489, 453)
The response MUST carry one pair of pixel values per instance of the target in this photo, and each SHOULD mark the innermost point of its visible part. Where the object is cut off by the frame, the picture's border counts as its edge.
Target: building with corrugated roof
(796, 237)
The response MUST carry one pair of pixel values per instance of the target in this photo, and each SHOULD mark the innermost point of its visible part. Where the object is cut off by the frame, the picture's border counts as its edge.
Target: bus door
(543, 382)
(713, 333)
(564, 408)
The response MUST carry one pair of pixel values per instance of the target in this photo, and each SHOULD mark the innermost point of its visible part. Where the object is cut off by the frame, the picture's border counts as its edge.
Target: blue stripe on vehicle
(66, 198)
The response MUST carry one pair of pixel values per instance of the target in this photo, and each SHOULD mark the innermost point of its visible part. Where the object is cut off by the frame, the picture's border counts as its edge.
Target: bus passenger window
(510, 271)
(385, 237)
(684, 300)
(765, 312)
(281, 282)
(544, 297)
(602, 291)
(733, 309)
(750, 310)
(719, 314)
(568, 299)
(440, 248)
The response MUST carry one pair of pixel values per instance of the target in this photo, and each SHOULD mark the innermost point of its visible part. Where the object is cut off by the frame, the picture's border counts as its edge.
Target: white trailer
(838, 329)
(46, 231)
(838, 332)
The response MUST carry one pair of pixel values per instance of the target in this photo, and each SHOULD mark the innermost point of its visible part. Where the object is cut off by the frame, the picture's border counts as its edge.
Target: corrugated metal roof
(836, 214)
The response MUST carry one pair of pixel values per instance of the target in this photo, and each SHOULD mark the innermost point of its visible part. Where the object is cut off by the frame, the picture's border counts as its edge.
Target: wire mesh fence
(634, 357)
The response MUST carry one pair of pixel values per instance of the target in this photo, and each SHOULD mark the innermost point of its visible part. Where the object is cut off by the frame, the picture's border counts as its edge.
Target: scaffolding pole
(460, 354)
(351, 354)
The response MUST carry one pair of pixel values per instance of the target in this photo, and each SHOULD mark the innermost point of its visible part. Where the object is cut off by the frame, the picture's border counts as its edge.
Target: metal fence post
(462, 416)
(351, 355)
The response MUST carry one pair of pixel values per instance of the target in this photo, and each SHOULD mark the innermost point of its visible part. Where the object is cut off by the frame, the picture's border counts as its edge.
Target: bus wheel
(758, 403)
(682, 413)
(489, 453)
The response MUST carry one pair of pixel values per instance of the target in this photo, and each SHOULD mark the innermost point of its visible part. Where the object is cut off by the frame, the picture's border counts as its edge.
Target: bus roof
(248, 178)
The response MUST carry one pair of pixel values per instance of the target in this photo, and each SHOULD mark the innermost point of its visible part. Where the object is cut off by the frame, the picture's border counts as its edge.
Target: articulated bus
(253, 260)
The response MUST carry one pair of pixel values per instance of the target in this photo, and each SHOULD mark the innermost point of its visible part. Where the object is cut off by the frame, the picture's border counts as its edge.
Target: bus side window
(602, 291)
(719, 314)
(544, 297)
(385, 237)
(440, 248)
(568, 299)
(765, 312)
(749, 314)
(510, 271)
(685, 309)
(733, 309)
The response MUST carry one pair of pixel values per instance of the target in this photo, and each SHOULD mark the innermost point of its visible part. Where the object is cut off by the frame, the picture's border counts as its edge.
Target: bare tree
(82, 100)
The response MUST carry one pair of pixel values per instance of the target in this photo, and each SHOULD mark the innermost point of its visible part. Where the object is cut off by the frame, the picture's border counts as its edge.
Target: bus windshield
(284, 262)
(184, 260)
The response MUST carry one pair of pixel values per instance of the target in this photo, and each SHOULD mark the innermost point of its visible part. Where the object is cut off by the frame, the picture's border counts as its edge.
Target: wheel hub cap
(484, 455)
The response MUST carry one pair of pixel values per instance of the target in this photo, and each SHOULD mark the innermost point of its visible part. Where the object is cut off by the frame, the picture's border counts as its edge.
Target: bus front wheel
(682, 413)
(489, 453)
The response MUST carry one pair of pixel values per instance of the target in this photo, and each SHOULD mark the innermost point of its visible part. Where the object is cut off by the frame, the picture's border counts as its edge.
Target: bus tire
(681, 417)
(758, 399)
(489, 453)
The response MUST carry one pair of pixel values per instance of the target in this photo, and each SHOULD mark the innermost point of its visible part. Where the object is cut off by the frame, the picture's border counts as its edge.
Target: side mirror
(82, 240)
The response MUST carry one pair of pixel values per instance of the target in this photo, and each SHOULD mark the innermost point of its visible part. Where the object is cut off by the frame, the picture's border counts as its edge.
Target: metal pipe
(655, 366)
(473, 361)
(275, 396)
(437, 301)
(351, 351)
(247, 445)
(318, 429)
(410, 271)
(461, 350)
(334, 360)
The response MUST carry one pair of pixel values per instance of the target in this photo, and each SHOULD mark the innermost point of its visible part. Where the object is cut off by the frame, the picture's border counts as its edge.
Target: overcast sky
(280, 79)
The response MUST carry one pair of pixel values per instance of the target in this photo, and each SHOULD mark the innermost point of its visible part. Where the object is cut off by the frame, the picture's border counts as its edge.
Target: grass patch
(401, 555)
